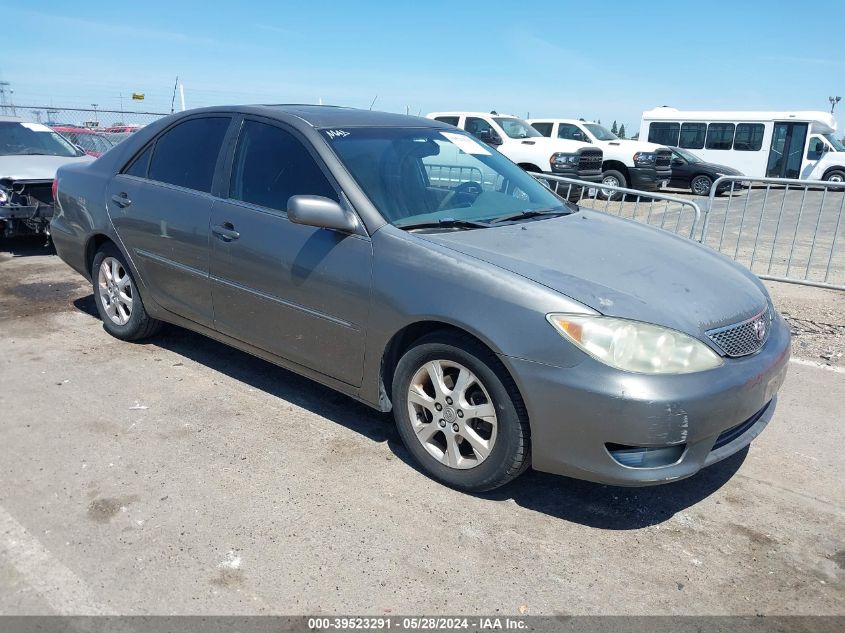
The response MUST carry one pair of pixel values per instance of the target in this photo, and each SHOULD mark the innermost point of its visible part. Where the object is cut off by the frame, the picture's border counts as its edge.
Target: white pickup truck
(520, 142)
(634, 164)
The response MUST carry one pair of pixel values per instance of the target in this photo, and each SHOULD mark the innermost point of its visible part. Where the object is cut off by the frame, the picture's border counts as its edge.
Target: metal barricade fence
(782, 229)
(670, 213)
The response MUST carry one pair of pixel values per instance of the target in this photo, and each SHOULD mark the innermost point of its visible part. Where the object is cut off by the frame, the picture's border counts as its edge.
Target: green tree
(621, 133)
(614, 129)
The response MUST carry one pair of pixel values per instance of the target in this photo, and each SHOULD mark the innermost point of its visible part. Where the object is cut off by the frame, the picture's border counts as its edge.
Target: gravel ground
(180, 476)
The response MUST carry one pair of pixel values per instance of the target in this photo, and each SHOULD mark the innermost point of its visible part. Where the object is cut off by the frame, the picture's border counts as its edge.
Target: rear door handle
(225, 231)
(122, 199)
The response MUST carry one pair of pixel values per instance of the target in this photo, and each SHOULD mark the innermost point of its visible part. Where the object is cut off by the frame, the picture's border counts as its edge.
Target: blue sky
(608, 61)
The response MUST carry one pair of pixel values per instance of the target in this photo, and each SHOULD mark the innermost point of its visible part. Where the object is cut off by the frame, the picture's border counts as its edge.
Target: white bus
(759, 144)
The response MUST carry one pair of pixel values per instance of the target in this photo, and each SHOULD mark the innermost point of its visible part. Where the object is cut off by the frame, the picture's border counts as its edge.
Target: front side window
(749, 137)
(720, 136)
(569, 132)
(186, 154)
(516, 128)
(33, 139)
(545, 129)
(815, 149)
(271, 165)
(692, 135)
(425, 175)
(664, 133)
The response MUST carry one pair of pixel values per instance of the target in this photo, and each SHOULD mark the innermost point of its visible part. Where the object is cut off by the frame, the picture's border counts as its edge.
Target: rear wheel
(116, 295)
(837, 175)
(613, 178)
(459, 413)
(700, 185)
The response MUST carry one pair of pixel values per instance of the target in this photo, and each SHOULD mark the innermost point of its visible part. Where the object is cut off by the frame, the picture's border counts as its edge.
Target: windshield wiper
(447, 223)
(533, 213)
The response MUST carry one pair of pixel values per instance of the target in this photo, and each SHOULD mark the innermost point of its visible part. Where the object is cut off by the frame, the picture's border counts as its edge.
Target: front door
(297, 291)
(787, 150)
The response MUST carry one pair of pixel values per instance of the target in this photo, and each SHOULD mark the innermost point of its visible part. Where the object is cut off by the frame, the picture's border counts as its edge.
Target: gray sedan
(404, 263)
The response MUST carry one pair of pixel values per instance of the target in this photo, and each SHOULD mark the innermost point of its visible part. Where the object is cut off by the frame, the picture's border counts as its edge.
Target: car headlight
(4, 195)
(561, 160)
(644, 159)
(635, 346)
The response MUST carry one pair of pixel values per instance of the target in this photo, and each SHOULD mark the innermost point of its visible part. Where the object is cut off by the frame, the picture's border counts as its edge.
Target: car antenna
(374, 102)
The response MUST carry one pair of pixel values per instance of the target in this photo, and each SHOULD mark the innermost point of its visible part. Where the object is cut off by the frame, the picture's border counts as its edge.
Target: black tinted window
(451, 120)
(720, 135)
(692, 135)
(543, 128)
(186, 155)
(664, 133)
(570, 132)
(138, 167)
(271, 165)
(749, 137)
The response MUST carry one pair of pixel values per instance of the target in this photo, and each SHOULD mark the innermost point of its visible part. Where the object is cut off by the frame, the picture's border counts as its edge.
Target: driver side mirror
(678, 161)
(489, 136)
(322, 213)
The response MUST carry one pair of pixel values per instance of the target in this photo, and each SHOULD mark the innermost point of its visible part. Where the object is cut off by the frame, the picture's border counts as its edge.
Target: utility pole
(94, 105)
(5, 87)
(173, 100)
(833, 102)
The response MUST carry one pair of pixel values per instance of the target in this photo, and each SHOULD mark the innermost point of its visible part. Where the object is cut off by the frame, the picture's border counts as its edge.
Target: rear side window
(692, 135)
(720, 135)
(186, 154)
(749, 137)
(664, 133)
(138, 167)
(271, 165)
(451, 120)
(543, 128)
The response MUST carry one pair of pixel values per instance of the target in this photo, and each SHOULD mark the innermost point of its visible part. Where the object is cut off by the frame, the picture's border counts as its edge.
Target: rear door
(299, 292)
(160, 205)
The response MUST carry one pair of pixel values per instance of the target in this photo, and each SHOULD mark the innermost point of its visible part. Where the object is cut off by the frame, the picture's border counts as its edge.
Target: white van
(759, 144)
(627, 163)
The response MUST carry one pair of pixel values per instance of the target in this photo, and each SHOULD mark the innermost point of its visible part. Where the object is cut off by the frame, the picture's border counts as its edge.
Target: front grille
(663, 159)
(590, 160)
(43, 192)
(729, 435)
(742, 339)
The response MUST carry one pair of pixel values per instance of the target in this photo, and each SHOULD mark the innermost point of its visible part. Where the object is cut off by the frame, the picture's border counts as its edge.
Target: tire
(485, 453)
(836, 175)
(701, 185)
(615, 178)
(118, 300)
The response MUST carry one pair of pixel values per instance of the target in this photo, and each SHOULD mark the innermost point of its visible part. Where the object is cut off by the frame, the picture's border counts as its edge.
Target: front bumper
(576, 412)
(649, 178)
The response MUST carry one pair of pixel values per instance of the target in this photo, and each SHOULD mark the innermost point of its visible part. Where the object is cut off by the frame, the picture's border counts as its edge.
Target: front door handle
(225, 231)
(122, 199)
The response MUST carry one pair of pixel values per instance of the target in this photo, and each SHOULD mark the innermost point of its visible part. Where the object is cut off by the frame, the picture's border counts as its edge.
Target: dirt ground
(180, 476)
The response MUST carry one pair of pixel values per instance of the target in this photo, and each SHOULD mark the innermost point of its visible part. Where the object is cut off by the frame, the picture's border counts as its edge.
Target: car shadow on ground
(585, 503)
(27, 246)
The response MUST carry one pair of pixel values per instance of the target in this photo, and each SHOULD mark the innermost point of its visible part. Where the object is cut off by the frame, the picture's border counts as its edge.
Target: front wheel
(117, 298)
(836, 175)
(459, 413)
(614, 179)
(701, 185)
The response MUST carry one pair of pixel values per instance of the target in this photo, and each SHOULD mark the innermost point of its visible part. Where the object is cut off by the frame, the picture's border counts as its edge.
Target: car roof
(556, 120)
(478, 114)
(322, 116)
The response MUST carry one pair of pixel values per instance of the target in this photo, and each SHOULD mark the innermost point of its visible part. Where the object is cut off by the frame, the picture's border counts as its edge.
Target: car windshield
(516, 128)
(601, 132)
(426, 175)
(690, 158)
(22, 139)
(837, 144)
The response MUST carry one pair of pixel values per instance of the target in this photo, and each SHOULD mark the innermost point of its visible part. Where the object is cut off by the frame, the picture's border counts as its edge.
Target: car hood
(620, 268)
(630, 146)
(35, 167)
(721, 169)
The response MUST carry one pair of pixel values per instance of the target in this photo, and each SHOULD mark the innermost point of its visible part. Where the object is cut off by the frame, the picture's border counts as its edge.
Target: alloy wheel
(115, 289)
(452, 414)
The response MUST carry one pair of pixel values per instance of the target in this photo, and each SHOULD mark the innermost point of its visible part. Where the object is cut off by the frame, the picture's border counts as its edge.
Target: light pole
(833, 102)
(94, 105)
